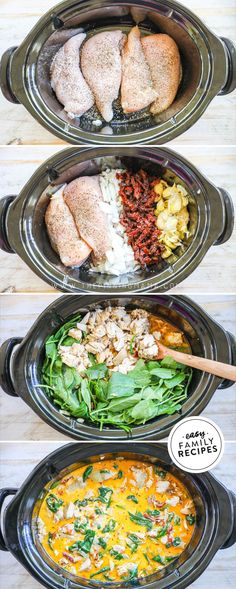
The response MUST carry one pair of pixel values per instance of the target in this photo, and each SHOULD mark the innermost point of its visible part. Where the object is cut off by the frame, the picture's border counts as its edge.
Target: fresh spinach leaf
(164, 373)
(109, 527)
(85, 392)
(143, 411)
(162, 531)
(50, 539)
(84, 545)
(102, 543)
(120, 385)
(53, 502)
(159, 559)
(132, 574)
(191, 519)
(154, 512)
(140, 520)
(116, 555)
(120, 474)
(176, 541)
(97, 371)
(55, 484)
(87, 472)
(133, 498)
(140, 375)
(173, 382)
(103, 570)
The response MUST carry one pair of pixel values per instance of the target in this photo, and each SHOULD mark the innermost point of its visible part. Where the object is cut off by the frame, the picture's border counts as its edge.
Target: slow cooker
(209, 66)
(215, 506)
(21, 361)
(23, 230)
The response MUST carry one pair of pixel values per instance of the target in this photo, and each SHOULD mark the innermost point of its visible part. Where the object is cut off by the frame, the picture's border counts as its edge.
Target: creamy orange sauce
(116, 520)
(171, 336)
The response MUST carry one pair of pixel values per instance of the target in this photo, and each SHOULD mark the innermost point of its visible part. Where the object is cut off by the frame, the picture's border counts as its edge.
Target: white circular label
(196, 444)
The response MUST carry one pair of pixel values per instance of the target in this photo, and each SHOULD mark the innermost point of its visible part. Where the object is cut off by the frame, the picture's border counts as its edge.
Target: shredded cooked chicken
(114, 336)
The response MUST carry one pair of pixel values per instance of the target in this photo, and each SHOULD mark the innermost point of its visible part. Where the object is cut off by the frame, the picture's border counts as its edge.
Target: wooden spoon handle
(218, 368)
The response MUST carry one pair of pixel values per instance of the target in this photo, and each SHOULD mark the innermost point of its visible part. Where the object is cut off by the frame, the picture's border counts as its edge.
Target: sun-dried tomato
(139, 201)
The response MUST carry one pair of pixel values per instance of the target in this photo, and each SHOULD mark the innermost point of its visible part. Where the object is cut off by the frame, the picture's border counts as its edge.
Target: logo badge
(196, 444)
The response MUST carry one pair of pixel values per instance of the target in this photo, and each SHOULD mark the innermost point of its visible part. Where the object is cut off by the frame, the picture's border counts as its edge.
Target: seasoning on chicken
(101, 67)
(67, 80)
(163, 58)
(83, 197)
(63, 233)
(137, 90)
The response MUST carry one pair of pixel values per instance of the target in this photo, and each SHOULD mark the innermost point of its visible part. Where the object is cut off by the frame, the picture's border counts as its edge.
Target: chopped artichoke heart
(166, 222)
(172, 216)
(159, 207)
(159, 187)
(182, 190)
(166, 253)
(172, 241)
(175, 204)
(184, 201)
(170, 191)
(183, 219)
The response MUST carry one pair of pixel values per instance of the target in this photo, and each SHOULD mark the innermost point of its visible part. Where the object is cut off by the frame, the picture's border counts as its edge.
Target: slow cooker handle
(229, 217)
(3, 494)
(4, 206)
(5, 75)
(225, 384)
(232, 538)
(5, 357)
(230, 84)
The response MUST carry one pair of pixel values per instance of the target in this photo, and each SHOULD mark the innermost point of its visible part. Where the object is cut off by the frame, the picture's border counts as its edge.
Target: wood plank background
(217, 125)
(215, 274)
(18, 313)
(18, 460)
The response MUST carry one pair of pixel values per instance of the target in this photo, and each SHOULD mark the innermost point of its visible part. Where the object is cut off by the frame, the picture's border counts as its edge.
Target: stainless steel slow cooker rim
(171, 275)
(156, 429)
(142, 452)
(58, 127)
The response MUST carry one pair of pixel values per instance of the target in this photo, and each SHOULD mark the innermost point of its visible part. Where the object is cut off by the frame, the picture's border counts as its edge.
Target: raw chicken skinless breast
(163, 58)
(67, 80)
(63, 233)
(147, 70)
(137, 90)
(83, 197)
(101, 67)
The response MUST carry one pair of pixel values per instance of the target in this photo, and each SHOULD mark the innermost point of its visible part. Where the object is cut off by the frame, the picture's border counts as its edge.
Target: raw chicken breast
(137, 90)
(63, 233)
(163, 58)
(67, 80)
(83, 197)
(101, 67)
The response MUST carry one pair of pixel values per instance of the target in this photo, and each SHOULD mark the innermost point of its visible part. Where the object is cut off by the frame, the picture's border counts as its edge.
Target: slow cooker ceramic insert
(23, 229)
(215, 521)
(21, 361)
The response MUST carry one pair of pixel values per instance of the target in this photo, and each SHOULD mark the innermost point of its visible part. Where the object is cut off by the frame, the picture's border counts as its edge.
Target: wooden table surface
(217, 124)
(18, 460)
(215, 274)
(18, 422)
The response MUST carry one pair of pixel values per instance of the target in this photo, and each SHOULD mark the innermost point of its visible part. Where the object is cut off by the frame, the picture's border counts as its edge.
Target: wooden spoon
(218, 368)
